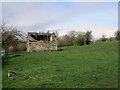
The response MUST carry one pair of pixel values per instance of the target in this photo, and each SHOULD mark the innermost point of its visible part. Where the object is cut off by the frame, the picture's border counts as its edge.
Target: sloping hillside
(89, 66)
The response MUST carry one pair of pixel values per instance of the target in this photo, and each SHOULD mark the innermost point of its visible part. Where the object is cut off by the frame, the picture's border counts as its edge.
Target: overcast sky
(99, 17)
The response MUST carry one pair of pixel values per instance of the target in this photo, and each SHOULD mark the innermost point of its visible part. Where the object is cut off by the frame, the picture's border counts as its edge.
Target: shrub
(117, 35)
(88, 37)
(80, 39)
(12, 37)
(103, 38)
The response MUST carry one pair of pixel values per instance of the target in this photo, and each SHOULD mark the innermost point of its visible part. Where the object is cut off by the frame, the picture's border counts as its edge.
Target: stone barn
(41, 42)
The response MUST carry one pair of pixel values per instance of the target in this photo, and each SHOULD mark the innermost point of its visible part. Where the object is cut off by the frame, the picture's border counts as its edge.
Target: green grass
(89, 66)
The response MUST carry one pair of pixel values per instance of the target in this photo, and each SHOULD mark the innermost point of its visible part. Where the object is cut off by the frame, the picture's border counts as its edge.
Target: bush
(117, 35)
(75, 38)
(88, 37)
(103, 38)
(12, 38)
(80, 40)
(111, 38)
(64, 41)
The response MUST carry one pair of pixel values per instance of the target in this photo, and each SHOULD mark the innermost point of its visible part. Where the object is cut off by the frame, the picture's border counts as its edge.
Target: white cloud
(99, 31)
(27, 15)
(24, 14)
(42, 16)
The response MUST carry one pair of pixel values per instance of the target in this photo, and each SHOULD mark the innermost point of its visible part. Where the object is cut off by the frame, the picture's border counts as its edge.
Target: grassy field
(89, 66)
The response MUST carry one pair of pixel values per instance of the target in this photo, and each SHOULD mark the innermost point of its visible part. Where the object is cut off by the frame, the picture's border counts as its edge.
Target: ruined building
(40, 42)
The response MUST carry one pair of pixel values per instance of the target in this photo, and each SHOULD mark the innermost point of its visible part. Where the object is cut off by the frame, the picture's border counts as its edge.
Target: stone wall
(48, 44)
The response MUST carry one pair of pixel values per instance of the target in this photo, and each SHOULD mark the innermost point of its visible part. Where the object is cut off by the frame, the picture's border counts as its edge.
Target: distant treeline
(14, 40)
(83, 38)
(75, 38)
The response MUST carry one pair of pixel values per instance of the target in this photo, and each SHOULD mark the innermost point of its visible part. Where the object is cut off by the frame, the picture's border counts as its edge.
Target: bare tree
(72, 35)
(11, 36)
